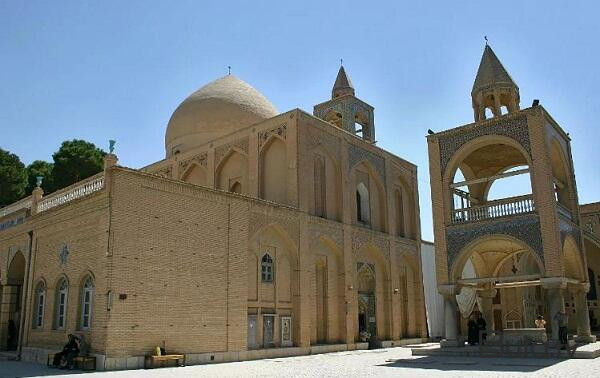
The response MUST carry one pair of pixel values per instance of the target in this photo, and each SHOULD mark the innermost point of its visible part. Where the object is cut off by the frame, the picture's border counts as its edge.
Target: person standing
(481, 325)
(473, 329)
(561, 320)
(540, 322)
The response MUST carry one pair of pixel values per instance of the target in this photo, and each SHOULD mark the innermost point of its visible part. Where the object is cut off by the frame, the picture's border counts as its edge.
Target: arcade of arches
(509, 237)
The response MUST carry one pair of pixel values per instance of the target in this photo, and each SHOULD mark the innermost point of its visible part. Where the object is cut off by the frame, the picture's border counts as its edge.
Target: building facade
(512, 257)
(260, 234)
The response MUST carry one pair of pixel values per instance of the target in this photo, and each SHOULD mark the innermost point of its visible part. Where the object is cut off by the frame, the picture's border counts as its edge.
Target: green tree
(76, 160)
(13, 178)
(39, 168)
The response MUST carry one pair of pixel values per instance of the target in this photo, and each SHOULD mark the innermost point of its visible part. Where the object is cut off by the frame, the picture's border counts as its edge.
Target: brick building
(260, 234)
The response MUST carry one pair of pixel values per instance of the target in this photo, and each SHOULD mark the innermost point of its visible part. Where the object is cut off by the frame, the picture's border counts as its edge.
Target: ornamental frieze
(360, 238)
(317, 137)
(260, 220)
(357, 154)
(322, 229)
(200, 159)
(164, 172)
(223, 150)
(525, 229)
(514, 128)
(264, 135)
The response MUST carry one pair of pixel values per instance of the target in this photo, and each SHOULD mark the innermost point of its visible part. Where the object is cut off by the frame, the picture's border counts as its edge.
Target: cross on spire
(486, 40)
(228, 70)
(341, 62)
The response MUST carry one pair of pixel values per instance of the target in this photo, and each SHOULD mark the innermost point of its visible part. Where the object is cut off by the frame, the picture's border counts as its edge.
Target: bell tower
(346, 111)
(493, 88)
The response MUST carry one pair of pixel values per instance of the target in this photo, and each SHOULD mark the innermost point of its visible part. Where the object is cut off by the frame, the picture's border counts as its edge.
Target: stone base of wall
(402, 342)
(40, 355)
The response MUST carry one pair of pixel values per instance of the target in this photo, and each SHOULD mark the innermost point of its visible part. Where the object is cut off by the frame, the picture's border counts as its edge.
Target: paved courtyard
(393, 362)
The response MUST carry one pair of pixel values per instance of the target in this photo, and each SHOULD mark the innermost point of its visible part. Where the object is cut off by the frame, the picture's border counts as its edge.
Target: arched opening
(367, 314)
(60, 304)
(362, 126)
(195, 175)
(12, 296)
(86, 298)
(233, 169)
(561, 177)
(39, 305)
(335, 118)
(498, 275)
(236, 187)
(490, 180)
(327, 319)
(370, 197)
(273, 168)
(363, 210)
(326, 196)
(572, 261)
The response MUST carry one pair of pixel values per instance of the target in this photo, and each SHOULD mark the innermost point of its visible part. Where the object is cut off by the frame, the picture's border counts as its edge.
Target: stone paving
(392, 362)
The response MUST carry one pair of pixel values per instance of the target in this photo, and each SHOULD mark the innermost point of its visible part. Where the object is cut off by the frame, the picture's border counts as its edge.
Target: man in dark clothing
(65, 358)
(481, 324)
(12, 335)
(473, 329)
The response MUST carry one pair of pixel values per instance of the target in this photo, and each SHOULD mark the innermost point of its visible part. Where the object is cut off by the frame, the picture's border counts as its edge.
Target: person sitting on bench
(65, 358)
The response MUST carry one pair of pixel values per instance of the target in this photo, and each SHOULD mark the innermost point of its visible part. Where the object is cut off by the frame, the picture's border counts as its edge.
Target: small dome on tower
(219, 108)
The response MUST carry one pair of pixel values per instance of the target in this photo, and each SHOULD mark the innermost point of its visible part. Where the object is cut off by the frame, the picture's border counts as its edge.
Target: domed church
(260, 234)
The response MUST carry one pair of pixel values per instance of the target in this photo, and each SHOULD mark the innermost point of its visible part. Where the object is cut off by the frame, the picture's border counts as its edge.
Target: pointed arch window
(87, 293)
(362, 203)
(319, 187)
(40, 303)
(60, 315)
(266, 271)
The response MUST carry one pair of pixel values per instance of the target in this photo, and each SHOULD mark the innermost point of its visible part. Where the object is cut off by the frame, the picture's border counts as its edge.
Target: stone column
(583, 319)
(36, 197)
(450, 315)
(497, 110)
(487, 296)
(554, 288)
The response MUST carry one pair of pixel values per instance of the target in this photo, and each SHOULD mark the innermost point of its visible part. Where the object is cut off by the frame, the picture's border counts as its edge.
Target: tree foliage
(74, 161)
(13, 178)
(40, 168)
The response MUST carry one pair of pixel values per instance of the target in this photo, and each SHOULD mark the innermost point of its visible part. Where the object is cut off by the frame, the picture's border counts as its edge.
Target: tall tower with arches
(347, 111)
(506, 219)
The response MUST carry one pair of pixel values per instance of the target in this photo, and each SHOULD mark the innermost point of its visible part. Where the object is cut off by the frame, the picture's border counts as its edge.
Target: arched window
(266, 272)
(60, 315)
(236, 188)
(40, 302)
(87, 292)
(362, 203)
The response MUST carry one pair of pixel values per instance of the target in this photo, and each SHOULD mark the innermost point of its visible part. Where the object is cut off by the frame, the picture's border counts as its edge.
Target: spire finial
(341, 62)
(228, 70)
(486, 40)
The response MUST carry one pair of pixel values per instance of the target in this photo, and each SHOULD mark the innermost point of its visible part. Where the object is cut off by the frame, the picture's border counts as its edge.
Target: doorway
(268, 331)
(252, 331)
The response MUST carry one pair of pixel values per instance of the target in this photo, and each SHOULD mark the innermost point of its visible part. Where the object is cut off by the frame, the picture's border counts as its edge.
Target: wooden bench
(85, 363)
(162, 361)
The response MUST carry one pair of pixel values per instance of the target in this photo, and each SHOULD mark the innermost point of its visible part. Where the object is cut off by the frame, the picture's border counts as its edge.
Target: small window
(40, 302)
(86, 303)
(61, 304)
(362, 203)
(266, 268)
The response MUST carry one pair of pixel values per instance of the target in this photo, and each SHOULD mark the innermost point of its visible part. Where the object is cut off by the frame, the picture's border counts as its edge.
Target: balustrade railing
(25, 203)
(495, 209)
(78, 190)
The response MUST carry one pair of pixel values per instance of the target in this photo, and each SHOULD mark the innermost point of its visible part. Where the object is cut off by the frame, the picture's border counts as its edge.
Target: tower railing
(495, 209)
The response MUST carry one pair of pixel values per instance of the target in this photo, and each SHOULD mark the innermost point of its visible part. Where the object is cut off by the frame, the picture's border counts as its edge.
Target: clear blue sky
(117, 69)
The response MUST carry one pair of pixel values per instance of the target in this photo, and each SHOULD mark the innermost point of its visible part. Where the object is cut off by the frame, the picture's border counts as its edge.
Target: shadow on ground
(9, 369)
(521, 365)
